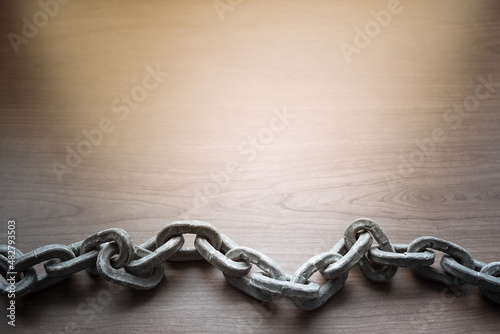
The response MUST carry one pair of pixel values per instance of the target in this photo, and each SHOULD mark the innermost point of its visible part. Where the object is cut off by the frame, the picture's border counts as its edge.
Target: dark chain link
(113, 255)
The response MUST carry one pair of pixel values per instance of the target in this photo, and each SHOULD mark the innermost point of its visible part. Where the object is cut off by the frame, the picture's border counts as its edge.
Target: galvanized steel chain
(113, 255)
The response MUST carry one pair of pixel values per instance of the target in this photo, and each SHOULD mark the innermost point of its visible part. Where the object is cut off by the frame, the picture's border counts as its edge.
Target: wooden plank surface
(279, 122)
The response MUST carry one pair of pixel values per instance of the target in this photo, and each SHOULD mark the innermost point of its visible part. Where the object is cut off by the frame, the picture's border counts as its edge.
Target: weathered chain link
(328, 289)
(262, 261)
(372, 272)
(113, 255)
(448, 247)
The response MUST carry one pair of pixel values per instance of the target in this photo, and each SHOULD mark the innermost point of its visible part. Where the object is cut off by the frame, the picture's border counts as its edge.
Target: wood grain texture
(385, 136)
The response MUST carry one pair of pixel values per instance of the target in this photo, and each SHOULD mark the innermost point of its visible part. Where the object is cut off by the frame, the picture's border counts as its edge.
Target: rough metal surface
(105, 253)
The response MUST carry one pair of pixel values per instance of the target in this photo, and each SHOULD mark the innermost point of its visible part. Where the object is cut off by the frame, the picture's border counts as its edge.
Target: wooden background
(357, 141)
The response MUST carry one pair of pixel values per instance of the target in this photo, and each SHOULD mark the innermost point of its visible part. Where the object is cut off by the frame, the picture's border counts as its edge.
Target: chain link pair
(113, 255)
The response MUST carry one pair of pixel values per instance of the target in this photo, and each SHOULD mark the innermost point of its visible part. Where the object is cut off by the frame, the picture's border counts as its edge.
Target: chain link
(113, 275)
(25, 284)
(219, 259)
(72, 266)
(492, 271)
(147, 257)
(328, 289)
(482, 278)
(40, 255)
(262, 261)
(197, 227)
(287, 288)
(117, 235)
(447, 247)
(373, 272)
(113, 255)
(402, 258)
(355, 253)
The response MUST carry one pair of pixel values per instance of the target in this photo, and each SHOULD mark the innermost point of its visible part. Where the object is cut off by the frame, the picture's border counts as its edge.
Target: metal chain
(113, 255)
